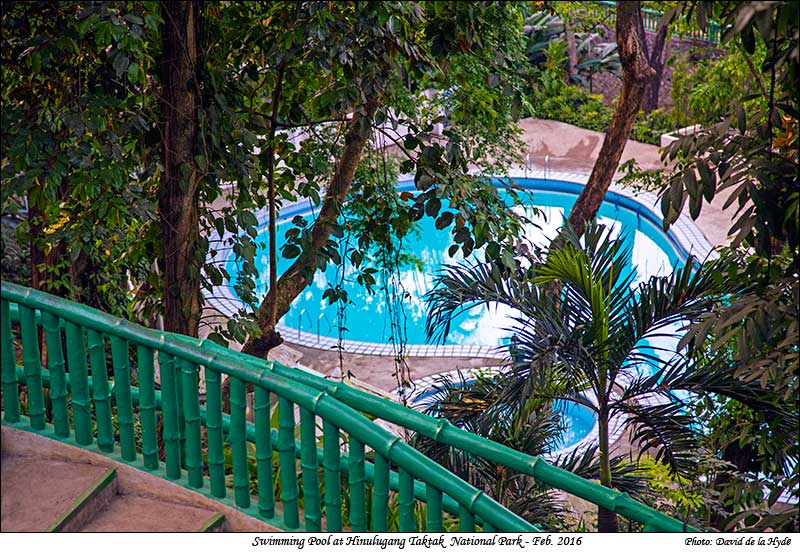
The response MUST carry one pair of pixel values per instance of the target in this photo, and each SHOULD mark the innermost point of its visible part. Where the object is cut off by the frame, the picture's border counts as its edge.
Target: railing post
(55, 368)
(308, 462)
(9, 368)
(191, 410)
(286, 454)
(169, 408)
(147, 406)
(32, 361)
(122, 393)
(357, 479)
(405, 501)
(380, 493)
(466, 520)
(216, 454)
(100, 390)
(238, 438)
(266, 499)
(433, 498)
(333, 482)
(179, 409)
(79, 382)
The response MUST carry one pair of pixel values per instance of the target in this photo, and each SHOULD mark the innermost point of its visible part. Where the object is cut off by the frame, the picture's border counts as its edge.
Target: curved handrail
(343, 405)
(319, 402)
(445, 432)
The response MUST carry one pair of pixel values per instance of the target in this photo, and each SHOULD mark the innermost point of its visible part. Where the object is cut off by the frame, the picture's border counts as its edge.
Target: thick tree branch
(636, 73)
(657, 63)
(298, 276)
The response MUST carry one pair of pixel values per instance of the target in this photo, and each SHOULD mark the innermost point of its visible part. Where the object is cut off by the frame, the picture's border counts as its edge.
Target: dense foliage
(330, 102)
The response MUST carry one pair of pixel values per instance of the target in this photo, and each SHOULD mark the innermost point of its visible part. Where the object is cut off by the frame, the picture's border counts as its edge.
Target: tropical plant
(587, 345)
(705, 90)
(546, 30)
(471, 401)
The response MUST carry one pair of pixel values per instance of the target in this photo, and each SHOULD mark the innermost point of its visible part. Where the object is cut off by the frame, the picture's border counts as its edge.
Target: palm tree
(588, 345)
(470, 401)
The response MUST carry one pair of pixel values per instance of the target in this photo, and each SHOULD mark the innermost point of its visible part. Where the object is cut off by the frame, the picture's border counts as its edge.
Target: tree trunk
(606, 519)
(299, 275)
(43, 263)
(657, 63)
(177, 195)
(636, 74)
(572, 54)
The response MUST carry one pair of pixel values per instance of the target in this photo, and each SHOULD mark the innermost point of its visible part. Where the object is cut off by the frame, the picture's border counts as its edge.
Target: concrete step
(132, 513)
(51, 485)
(36, 493)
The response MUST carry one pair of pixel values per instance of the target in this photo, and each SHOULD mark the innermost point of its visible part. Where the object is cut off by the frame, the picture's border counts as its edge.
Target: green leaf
(665, 204)
(247, 219)
(492, 251)
(741, 119)
(709, 180)
(461, 235)
(135, 19)
(290, 251)
(508, 259)
(690, 180)
(133, 72)
(337, 231)
(676, 193)
(432, 207)
(217, 338)
(695, 202)
(444, 220)
(749, 39)
(411, 142)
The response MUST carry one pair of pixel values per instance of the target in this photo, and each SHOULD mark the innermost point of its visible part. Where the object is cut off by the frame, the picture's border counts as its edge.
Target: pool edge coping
(684, 231)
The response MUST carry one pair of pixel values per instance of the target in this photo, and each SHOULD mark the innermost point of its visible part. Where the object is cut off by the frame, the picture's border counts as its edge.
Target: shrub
(704, 91)
(648, 128)
(572, 104)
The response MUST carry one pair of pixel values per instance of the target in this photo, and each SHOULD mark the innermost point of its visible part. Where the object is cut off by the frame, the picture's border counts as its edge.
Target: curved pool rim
(683, 235)
(616, 424)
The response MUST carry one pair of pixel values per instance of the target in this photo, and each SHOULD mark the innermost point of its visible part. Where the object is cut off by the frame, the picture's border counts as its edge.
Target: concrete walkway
(575, 150)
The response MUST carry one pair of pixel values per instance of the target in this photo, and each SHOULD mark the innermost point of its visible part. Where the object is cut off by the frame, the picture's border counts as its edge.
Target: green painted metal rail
(309, 452)
(652, 18)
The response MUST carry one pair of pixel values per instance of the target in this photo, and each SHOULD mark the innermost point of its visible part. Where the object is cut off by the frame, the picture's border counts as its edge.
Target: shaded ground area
(44, 479)
(378, 371)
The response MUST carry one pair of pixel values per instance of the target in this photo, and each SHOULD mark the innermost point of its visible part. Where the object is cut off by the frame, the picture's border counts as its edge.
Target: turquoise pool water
(653, 252)
(578, 420)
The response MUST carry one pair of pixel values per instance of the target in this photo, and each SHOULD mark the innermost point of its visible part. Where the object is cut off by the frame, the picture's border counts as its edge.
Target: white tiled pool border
(221, 298)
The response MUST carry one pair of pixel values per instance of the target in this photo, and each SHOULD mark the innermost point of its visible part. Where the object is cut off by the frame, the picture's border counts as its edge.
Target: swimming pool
(653, 252)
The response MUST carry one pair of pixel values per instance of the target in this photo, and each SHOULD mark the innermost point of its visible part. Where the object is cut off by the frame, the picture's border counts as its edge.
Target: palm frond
(458, 288)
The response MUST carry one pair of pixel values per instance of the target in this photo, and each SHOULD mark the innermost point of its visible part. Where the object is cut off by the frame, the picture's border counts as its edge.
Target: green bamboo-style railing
(651, 20)
(333, 452)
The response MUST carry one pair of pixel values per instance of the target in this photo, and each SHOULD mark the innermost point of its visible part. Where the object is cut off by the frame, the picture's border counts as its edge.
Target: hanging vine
(395, 294)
